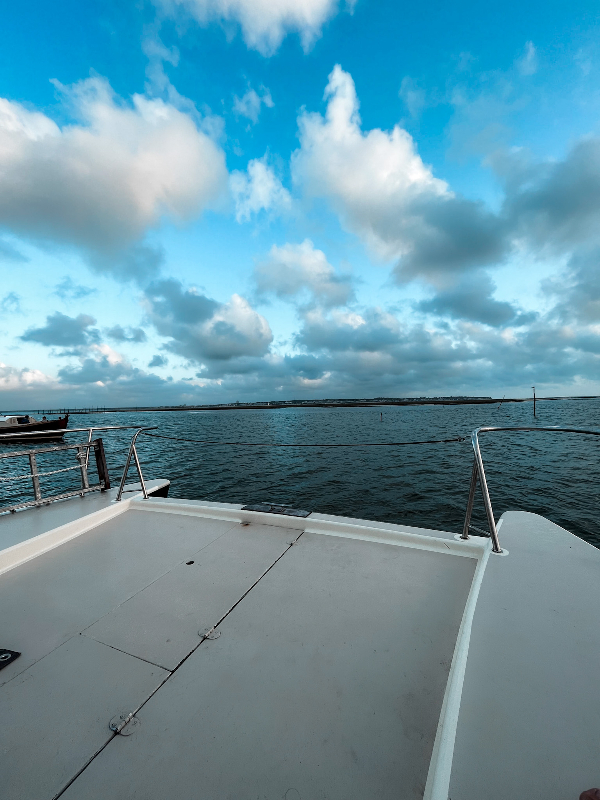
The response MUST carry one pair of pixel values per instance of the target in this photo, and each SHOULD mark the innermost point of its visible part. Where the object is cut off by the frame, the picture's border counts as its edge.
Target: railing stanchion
(133, 452)
(37, 493)
(82, 458)
(87, 454)
(486, 495)
(124, 475)
(139, 469)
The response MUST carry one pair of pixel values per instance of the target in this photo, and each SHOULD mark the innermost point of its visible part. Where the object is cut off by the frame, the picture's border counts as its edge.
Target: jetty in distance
(326, 403)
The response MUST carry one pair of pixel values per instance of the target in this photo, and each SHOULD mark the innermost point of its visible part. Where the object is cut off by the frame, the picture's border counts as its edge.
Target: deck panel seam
(172, 672)
(143, 588)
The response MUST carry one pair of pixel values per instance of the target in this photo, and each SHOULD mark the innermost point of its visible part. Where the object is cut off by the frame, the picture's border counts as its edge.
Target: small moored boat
(13, 424)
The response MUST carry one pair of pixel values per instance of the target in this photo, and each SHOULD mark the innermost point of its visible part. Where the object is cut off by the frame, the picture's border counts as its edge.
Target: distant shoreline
(339, 403)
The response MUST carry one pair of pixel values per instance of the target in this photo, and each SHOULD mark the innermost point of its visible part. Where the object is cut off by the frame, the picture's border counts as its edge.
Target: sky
(235, 200)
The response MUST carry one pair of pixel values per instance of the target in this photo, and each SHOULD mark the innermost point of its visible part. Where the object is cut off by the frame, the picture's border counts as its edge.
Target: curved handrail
(133, 452)
(478, 473)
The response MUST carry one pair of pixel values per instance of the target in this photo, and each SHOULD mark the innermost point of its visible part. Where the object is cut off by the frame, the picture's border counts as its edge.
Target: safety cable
(270, 444)
(30, 475)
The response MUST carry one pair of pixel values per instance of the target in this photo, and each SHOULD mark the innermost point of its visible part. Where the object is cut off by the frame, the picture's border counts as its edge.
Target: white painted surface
(529, 719)
(518, 712)
(161, 623)
(24, 551)
(54, 717)
(33, 531)
(50, 598)
(324, 524)
(327, 679)
(470, 548)
(440, 767)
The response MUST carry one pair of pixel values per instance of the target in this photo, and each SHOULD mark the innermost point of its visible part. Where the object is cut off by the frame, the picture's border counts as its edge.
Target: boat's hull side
(50, 429)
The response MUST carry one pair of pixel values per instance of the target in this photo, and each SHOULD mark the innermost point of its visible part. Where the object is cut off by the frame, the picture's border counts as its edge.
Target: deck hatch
(271, 508)
(7, 657)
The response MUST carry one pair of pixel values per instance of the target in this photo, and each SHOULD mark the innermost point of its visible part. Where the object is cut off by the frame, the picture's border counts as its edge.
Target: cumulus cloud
(369, 178)
(337, 353)
(576, 290)
(23, 380)
(129, 334)
(382, 190)
(373, 352)
(61, 330)
(370, 332)
(551, 212)
(158, 361)
(264, 23)
(258, 189)
(300, 270)
(249, 105)
(472, 300)
(100, 364)
(102, 182)
(202, 330)
(553, 205)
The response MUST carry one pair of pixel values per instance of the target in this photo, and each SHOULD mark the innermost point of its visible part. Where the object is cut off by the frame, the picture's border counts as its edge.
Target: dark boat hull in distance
(35, 429)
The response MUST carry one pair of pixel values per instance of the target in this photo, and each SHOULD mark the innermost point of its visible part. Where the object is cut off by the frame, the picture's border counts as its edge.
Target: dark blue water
(556, 475)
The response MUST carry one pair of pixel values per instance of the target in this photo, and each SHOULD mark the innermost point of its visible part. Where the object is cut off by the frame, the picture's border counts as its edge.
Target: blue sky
(217, 200)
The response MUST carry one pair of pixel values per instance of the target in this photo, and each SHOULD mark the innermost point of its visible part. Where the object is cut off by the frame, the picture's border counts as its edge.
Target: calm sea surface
(556, 475)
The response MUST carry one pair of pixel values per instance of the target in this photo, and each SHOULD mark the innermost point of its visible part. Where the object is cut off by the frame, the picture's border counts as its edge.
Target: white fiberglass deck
(345, 660)
(327, 678)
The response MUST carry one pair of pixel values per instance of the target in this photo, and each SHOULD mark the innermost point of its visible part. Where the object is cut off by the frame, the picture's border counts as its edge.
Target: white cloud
(13, 379)
(200, 329)
(371, 178)
(264, 23)
(249, 105)
(235, 330)
(382, 191)
(528, 63)
(102, 182)
(103, 351)
(372, 331)
(295, 269)
(258, 189)
(101, 365)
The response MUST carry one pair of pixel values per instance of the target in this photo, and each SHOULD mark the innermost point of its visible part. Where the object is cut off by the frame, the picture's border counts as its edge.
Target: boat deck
(264, 656)
(326, 678)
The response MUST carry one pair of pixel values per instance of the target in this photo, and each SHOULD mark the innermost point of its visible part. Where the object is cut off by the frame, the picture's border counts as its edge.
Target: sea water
(553, 474)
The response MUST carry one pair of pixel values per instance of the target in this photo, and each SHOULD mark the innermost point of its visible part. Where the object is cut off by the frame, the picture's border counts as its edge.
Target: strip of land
(335, 403)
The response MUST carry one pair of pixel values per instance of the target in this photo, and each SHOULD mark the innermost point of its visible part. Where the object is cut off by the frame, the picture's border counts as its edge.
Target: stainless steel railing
(63, 431)
(82, 452)
(133, 454)
(478, 475)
